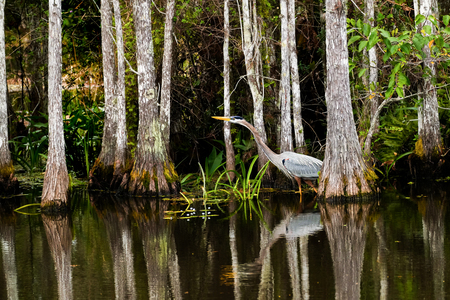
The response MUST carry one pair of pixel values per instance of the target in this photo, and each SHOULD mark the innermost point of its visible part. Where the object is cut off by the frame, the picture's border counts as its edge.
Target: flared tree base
(55, 188)
(101, 176)
(427, 163)
(153, 179)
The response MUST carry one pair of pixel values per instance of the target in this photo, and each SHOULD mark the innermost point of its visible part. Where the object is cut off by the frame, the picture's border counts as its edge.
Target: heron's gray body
(300, 165)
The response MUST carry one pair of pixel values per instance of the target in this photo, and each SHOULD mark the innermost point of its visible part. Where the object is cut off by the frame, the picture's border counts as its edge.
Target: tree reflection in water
(158, 244)
(295, 228)
(159, 251)
(345, 225)
(115, 214)
(7, 239)
(432, 209)
(59, 237)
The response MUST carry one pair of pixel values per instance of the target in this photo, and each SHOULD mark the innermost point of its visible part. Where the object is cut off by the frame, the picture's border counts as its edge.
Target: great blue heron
(293, 165)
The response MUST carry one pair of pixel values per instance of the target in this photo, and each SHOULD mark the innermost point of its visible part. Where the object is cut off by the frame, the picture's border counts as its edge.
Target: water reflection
(158, 245)
(346, 230)
(432, 209)
(7, 239)
(115, 214)
(59, 237)
(293, 229)
(123, 248)
(159, 251)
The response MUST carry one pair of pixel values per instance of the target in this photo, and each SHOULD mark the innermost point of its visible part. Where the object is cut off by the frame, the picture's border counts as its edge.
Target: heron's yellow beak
(222, 118)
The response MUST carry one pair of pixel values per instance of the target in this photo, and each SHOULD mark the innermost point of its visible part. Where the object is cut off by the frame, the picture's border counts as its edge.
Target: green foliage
(245, 187)
(398, 134)
(83, 129)
(204, 180)
(30, 150)
(401, 49)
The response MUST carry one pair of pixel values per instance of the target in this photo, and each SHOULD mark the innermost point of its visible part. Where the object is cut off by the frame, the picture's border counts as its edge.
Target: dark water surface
(121, 248)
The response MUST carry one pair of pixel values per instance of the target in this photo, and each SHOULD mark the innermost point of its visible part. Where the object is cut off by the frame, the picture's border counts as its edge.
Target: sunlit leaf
(373, 39)
(427, 29)
(362, 45)
(389, 92)
(361, 72)
(399, 92)
(419, 19)
(446, 19)
(402, 79)
(406, 48)
(366, 29)
(353, 39)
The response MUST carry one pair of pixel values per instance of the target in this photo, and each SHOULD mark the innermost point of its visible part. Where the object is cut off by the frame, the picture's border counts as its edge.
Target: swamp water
(135, 248)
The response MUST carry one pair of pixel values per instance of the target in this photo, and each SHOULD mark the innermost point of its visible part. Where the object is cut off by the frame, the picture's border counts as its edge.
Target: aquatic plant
(204, 179)
(245, 187)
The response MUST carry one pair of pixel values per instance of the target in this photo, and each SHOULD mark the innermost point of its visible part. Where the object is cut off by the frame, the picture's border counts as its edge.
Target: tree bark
(226, 91)
(428, 146)
(153, 171)
(102, 171)
(300, 146)
(373, 99)
(8, 183)
(285, 89)
(119, 98)
(344, 172)
(167, 73)
(373, 62)
(56, 179)
(250, 45)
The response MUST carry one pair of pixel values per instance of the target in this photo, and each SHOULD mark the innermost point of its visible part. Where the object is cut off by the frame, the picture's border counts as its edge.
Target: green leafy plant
(245, 187)
(83, 127)
(29, 151)
(204, 180)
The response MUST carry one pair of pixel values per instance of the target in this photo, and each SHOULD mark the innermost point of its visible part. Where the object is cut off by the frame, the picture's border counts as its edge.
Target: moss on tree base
(157, 179)
(426, 164)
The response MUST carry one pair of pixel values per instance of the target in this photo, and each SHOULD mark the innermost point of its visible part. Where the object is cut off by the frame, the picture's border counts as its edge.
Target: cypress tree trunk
(101, 174)
(344, 172)
(119, 98)
(226, 91)
(8, 183)
(300, 146)
(373, 99)
(285, 88)
(167, 73)
(250, 45)
(56, 180)
(153, 171)
(428, 147)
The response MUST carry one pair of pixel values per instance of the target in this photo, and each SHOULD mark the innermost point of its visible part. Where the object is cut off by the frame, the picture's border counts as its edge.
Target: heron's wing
(300, 165)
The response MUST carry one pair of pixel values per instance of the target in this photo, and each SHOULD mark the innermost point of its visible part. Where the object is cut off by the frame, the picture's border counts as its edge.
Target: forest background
(197, 89)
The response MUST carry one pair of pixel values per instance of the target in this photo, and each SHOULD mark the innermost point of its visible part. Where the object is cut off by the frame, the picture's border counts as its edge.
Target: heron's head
(232, 119)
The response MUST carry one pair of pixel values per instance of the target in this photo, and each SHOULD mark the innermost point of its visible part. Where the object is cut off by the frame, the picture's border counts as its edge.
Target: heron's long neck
(267, 151)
